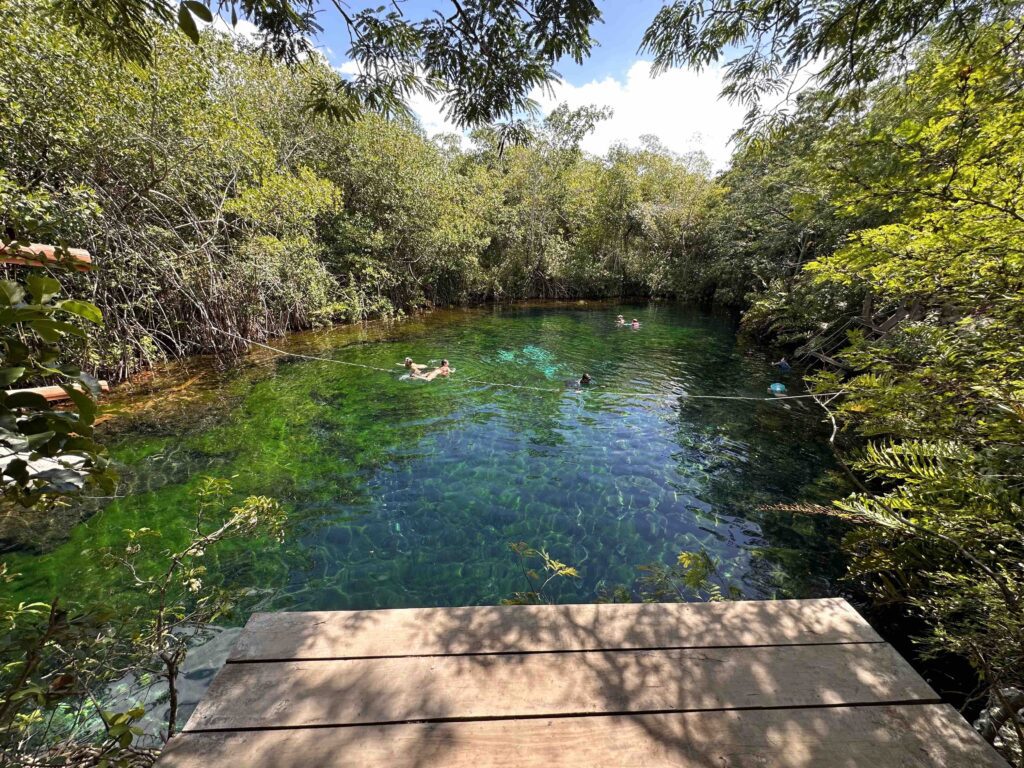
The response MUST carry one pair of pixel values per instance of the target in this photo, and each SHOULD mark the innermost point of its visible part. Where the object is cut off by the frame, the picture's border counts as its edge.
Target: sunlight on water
(406, 493)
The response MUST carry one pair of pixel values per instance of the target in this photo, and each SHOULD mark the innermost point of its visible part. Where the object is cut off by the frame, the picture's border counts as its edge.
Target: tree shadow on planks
(576, 686)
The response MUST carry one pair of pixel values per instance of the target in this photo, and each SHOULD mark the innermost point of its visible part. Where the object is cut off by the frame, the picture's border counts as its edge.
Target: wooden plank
(918, 736)
(541, 628)
(54, 393)
(37, 254)
(362, 691)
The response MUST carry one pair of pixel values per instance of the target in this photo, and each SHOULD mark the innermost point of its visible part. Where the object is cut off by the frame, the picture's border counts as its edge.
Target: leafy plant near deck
(45, 451)
(61, 659)
(537, 580)
(942, 395)
(694, 577)
(933, 369)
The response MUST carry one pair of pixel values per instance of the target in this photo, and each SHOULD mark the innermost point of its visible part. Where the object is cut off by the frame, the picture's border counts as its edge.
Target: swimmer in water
(441, 370)
(413, 368)
(635, 324)
(783, 365)
(583, 382)
(620, 320)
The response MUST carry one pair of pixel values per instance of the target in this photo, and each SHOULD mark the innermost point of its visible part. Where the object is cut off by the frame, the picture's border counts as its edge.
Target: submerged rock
(996, 724)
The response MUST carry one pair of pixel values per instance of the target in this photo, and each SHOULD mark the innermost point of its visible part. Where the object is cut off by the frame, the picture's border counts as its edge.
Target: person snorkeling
(412, 367)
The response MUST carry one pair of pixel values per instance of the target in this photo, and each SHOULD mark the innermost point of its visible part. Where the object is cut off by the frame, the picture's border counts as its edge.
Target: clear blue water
(405, 493)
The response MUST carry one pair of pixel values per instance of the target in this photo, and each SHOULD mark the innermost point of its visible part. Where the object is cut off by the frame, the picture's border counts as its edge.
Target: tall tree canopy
(482, 58)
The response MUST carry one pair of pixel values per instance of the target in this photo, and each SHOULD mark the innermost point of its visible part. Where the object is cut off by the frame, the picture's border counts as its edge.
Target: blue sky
(619, 36)
(680, 107)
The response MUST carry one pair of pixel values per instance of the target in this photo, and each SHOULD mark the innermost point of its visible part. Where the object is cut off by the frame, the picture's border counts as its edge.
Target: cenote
(406, 493)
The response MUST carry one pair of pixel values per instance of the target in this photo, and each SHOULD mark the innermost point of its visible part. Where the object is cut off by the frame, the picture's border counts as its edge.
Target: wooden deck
(792, 683)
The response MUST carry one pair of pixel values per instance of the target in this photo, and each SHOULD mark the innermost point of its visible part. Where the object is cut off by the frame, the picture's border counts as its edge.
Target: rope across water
(503, 385)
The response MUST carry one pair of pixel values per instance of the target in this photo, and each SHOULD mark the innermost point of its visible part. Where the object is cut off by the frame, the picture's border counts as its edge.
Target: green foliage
(537, 581)
(59, 660)
(946, 386)
(45, 451)
(695, 576)
(770, 43)
(574, 225)
(482, 59)
(917, 308)
(216, 205)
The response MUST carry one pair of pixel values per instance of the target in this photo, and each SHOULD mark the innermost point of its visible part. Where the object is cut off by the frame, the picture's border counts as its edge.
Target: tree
(941, 394)
(481, 58)
(844, 46)
(924, 188)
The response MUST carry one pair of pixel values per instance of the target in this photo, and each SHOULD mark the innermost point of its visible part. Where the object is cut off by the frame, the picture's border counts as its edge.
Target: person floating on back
(413, 368)
(783, 365)
(441, 370)
(635, 324)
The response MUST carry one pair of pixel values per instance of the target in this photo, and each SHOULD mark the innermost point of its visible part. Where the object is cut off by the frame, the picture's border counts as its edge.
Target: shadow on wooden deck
(787, 683)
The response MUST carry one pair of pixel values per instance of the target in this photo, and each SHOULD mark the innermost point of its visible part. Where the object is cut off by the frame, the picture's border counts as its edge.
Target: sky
(681, 107)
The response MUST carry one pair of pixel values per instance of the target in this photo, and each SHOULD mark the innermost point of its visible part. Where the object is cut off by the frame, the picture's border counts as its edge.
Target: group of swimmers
(416, 371)
(621, 321)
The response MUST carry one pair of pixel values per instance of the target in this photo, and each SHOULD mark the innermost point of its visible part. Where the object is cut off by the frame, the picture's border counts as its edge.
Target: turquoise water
(405, 493)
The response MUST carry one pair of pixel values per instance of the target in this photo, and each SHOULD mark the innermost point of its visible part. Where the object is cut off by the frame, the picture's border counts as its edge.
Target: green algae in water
(404, 493)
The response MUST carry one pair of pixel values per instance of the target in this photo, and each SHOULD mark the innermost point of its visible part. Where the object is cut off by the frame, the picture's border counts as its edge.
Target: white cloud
(433, 119)
(244, 28)
(429, 113)
(350, 67)
(681, 107)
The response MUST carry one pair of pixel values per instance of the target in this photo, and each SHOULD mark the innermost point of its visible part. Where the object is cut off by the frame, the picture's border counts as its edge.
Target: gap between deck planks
(547, 629)
(419, 688)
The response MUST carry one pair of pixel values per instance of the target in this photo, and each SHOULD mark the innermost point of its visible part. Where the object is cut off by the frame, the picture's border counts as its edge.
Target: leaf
(11, 292)
(52, 331)
(84, 309)
(32, 400)
(42, 288)
(34, 441)
(63, 480)
(83, 401)
(187, 24)
(199, 10)
(10, 375)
